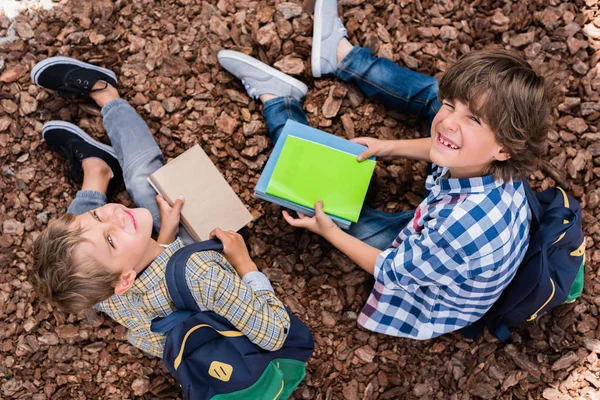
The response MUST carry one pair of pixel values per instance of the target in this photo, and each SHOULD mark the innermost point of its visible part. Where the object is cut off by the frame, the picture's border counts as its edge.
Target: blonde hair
(56, 276)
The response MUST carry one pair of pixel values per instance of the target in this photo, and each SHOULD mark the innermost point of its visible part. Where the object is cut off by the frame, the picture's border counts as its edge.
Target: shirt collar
(462, 185)
(155, 272)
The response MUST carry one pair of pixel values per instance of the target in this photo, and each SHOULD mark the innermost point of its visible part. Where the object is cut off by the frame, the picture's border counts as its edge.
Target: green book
(307, 171)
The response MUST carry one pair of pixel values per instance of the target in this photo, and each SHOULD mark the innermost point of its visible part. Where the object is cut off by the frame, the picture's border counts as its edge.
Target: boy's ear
(125, 282)
(502, 155)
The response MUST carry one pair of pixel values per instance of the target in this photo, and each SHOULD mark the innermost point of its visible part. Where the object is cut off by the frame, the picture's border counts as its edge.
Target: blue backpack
(551, 272)
(213, 360)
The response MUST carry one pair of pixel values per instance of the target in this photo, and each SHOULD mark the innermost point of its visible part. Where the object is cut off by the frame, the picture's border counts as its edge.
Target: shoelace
(75, 86)
(249, 89)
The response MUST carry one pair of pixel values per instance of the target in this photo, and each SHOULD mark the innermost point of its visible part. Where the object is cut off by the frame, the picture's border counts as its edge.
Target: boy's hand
(321, 223)
(376, 147)
(235, 251)
(169, 219)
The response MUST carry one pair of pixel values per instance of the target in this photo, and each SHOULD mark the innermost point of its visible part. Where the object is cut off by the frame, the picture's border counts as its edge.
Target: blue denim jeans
(139, 156)
(395, 87)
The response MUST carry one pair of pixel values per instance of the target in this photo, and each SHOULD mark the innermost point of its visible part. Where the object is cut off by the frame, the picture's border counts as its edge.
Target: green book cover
(307, 172)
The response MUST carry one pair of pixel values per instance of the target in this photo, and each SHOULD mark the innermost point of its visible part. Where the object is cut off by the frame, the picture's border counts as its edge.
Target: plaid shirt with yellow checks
(248, 303)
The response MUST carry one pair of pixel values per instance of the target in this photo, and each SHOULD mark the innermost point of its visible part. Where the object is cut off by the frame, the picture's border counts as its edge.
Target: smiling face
(462, 142)
(118, 238)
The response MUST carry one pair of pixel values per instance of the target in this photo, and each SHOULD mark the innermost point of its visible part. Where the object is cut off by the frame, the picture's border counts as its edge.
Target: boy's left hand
(321, 223)
(169, 219)
(235, 250)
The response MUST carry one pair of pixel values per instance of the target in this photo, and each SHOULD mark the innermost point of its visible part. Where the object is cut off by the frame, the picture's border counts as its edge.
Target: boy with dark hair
(441, 267)
(103, 255)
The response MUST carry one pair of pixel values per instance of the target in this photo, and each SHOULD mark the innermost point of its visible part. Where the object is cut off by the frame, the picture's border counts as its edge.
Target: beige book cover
(209, 200)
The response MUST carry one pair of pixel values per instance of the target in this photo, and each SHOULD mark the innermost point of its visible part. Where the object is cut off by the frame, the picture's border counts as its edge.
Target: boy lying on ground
(103, 255)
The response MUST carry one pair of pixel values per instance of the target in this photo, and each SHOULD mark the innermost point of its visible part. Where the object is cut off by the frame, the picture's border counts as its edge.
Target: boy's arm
(414, 149)
(420, 260)
(258, 314)
(169, 219)
(358, 251)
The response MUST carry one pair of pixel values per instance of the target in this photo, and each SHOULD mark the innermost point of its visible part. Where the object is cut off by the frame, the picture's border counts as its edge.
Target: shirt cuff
(257, 281)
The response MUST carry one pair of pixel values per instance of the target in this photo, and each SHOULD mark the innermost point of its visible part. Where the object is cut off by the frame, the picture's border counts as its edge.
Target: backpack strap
(501, 332)
(178, 288)
(534, 203)
(175, 274)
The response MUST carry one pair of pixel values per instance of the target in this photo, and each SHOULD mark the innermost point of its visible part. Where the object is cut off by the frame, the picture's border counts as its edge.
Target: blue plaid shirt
(452, 261)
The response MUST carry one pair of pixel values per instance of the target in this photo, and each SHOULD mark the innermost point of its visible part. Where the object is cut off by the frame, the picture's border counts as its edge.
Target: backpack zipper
(535, 314)
(280, 390)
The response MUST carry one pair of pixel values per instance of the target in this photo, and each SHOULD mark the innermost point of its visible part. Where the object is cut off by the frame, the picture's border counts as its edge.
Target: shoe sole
(48, 62)
(77, 131)
(315, 58)
(263, 67)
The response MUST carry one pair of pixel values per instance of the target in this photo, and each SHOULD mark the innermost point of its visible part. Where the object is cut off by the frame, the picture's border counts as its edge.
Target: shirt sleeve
(252, 308)
(152, 344)
(424, 259)
(257, 281)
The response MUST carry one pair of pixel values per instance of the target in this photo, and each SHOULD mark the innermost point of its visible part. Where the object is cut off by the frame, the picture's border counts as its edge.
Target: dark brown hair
(502, 89)
(71, 286)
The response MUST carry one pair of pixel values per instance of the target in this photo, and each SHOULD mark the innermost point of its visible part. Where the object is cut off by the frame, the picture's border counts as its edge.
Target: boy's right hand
(376, 147)
(169, 219)
(235, 250)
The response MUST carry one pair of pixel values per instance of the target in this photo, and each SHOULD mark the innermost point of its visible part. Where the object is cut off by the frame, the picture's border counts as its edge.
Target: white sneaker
(328, 30)
(258, 78)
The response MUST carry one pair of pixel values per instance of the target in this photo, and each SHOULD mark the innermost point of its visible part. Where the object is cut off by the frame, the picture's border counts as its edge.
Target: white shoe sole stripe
(263, 67)
(315, 58)
(42, 65)
(77, 131)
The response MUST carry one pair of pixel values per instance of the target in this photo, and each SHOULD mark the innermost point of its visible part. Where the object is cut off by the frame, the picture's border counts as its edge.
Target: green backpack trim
(577, 287)
(278, 382)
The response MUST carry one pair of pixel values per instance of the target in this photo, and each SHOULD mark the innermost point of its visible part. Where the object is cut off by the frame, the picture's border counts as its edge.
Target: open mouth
(133, 221)
(447, 142)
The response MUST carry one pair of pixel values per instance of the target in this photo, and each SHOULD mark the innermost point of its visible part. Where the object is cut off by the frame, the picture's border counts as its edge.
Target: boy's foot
(328, 30)
(258, 78)
(75, 146)
(70, 77)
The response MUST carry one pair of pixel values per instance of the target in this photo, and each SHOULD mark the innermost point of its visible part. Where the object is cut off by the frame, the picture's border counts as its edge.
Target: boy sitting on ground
(441, 267)
(103, 255)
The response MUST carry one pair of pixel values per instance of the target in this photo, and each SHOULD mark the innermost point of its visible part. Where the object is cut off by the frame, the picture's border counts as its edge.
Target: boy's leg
(136, 149)
(97, 161)
(133, 144)
(380, 78)
(278, 110)
(379, 228)
(280, 93)
(96, 177)
(392, 85)
(138, 153)
(86, 200)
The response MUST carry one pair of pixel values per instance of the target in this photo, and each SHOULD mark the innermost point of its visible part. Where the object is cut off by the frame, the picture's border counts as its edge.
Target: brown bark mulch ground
(165, 55)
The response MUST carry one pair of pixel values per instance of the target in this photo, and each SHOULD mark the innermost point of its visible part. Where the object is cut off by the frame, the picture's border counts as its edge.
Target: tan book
(209, 200)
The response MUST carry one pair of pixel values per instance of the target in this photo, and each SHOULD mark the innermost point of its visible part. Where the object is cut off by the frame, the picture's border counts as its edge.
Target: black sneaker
(75, 146)
(70, 77)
